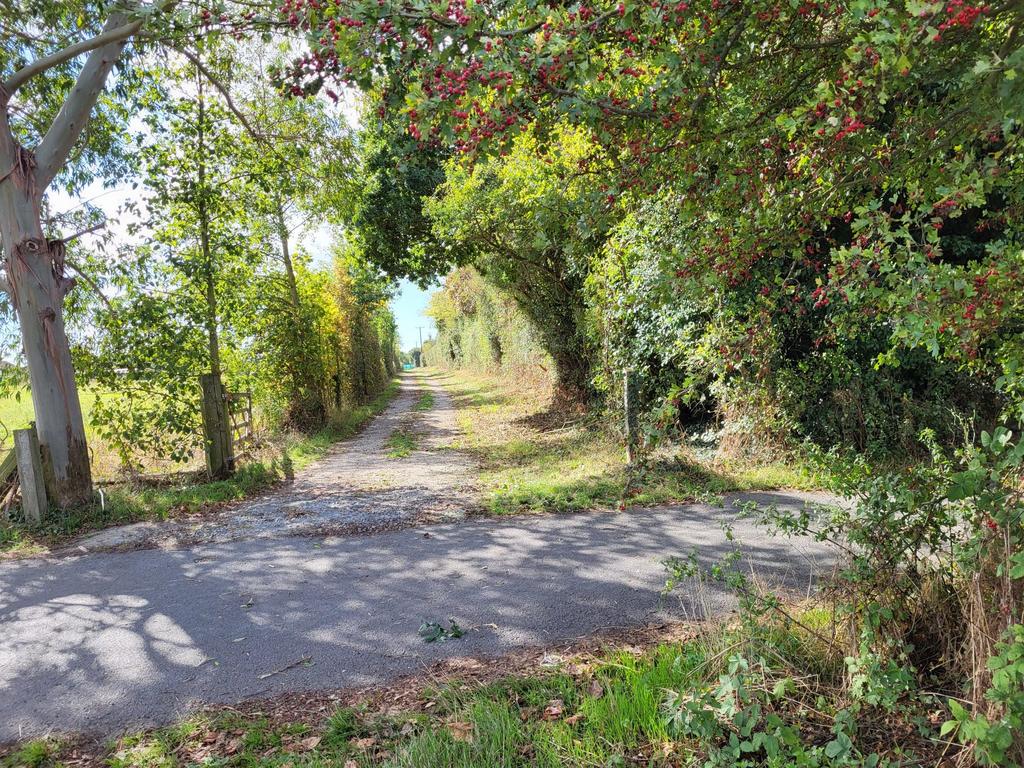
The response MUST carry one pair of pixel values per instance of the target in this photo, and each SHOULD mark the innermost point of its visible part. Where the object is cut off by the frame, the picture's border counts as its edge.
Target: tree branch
(86, 231)
(56, 145)
(92, 284)
(223, 92)
(108, 36)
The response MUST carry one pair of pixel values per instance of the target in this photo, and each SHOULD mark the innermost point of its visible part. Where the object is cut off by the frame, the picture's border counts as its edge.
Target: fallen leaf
(233, 745)
(553, 710)
(461, 731)
(573, 719)
(311, 742)
(366, 743)
(351, 764)
(595, 689)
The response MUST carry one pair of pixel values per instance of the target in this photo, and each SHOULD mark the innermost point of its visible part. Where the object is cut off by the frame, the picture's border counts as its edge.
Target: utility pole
(420, 329)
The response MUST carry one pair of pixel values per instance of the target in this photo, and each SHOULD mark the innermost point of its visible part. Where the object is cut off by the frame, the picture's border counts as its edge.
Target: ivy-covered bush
(480, 327)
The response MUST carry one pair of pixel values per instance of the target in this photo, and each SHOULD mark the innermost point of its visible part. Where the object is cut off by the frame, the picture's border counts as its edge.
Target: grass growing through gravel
(401, 443)
(425, 402)
(535, 462)
(613, 707)
(128, 503)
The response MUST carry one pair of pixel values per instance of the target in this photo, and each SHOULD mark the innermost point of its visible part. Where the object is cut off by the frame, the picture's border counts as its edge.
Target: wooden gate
(227, 426)
(240, 426)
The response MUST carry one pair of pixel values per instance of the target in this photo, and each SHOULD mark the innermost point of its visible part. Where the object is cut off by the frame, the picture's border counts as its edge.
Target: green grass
(401, 443)
(132, 503)
(603, 710)
(425, 402)
(533, 464)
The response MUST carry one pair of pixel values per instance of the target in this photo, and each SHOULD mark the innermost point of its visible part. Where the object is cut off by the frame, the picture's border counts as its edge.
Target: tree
(300, 156)
(526, 224)
(56, 60)
(768, 124)
(388, 217)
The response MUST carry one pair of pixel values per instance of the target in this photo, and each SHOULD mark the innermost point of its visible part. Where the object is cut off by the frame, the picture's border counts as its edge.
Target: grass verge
(533, 461)
(128, 503)
(770, 694)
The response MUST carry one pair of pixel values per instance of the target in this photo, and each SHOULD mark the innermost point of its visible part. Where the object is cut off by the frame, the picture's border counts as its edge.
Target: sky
(408, 306)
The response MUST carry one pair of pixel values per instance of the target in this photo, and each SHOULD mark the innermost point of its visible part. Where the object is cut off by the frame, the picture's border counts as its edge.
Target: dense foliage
(796, 220)
(480, 327)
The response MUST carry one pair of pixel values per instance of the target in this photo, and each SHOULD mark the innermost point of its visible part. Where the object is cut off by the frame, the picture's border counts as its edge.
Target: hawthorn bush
(804, 217)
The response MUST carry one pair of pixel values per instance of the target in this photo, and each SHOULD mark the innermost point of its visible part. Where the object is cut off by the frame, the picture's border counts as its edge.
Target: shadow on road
(110, 641)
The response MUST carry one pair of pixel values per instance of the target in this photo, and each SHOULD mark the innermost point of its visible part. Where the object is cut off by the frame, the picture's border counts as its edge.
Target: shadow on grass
(539, 457)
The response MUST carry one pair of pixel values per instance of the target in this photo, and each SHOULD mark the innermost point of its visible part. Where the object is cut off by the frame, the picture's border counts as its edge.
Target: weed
(432, 631)
(401, 443)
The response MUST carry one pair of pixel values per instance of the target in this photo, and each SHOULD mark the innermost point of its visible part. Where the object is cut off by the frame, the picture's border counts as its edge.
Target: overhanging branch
(205, 71)
(37, 67)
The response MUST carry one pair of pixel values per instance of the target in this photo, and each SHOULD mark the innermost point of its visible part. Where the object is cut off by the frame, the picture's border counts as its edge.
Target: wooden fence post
(629, 406)
(30, 475)
(216, 427)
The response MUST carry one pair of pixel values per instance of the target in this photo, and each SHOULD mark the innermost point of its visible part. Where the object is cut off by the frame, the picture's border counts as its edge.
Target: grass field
(535, 461)
(16, 413)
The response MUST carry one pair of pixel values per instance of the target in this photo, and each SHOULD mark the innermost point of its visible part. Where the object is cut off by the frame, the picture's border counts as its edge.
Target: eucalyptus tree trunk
(37, 286)
(34, 265)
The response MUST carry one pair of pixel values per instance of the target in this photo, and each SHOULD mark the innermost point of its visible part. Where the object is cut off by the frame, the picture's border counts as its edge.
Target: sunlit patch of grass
(401, 443)
(425, 402)
(578, 463)
(39, 753)
(128, 503)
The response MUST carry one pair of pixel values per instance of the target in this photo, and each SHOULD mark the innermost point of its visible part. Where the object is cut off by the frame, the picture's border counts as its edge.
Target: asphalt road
(108, 642)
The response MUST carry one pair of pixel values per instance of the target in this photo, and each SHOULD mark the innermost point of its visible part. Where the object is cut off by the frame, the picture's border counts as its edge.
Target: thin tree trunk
(204, 238)
(35, 274)
(286, 256)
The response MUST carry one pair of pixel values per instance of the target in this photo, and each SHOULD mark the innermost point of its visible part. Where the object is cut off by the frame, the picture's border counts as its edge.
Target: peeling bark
(35, 274)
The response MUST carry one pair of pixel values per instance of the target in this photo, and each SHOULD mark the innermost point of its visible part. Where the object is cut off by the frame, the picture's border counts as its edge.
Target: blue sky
(408, 306)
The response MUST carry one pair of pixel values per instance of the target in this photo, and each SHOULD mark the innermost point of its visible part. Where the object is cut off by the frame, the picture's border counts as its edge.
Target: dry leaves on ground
(554, 709)
(461, 731)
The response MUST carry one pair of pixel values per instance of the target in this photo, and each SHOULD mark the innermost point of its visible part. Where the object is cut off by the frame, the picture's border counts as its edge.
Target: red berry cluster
(959, 13)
